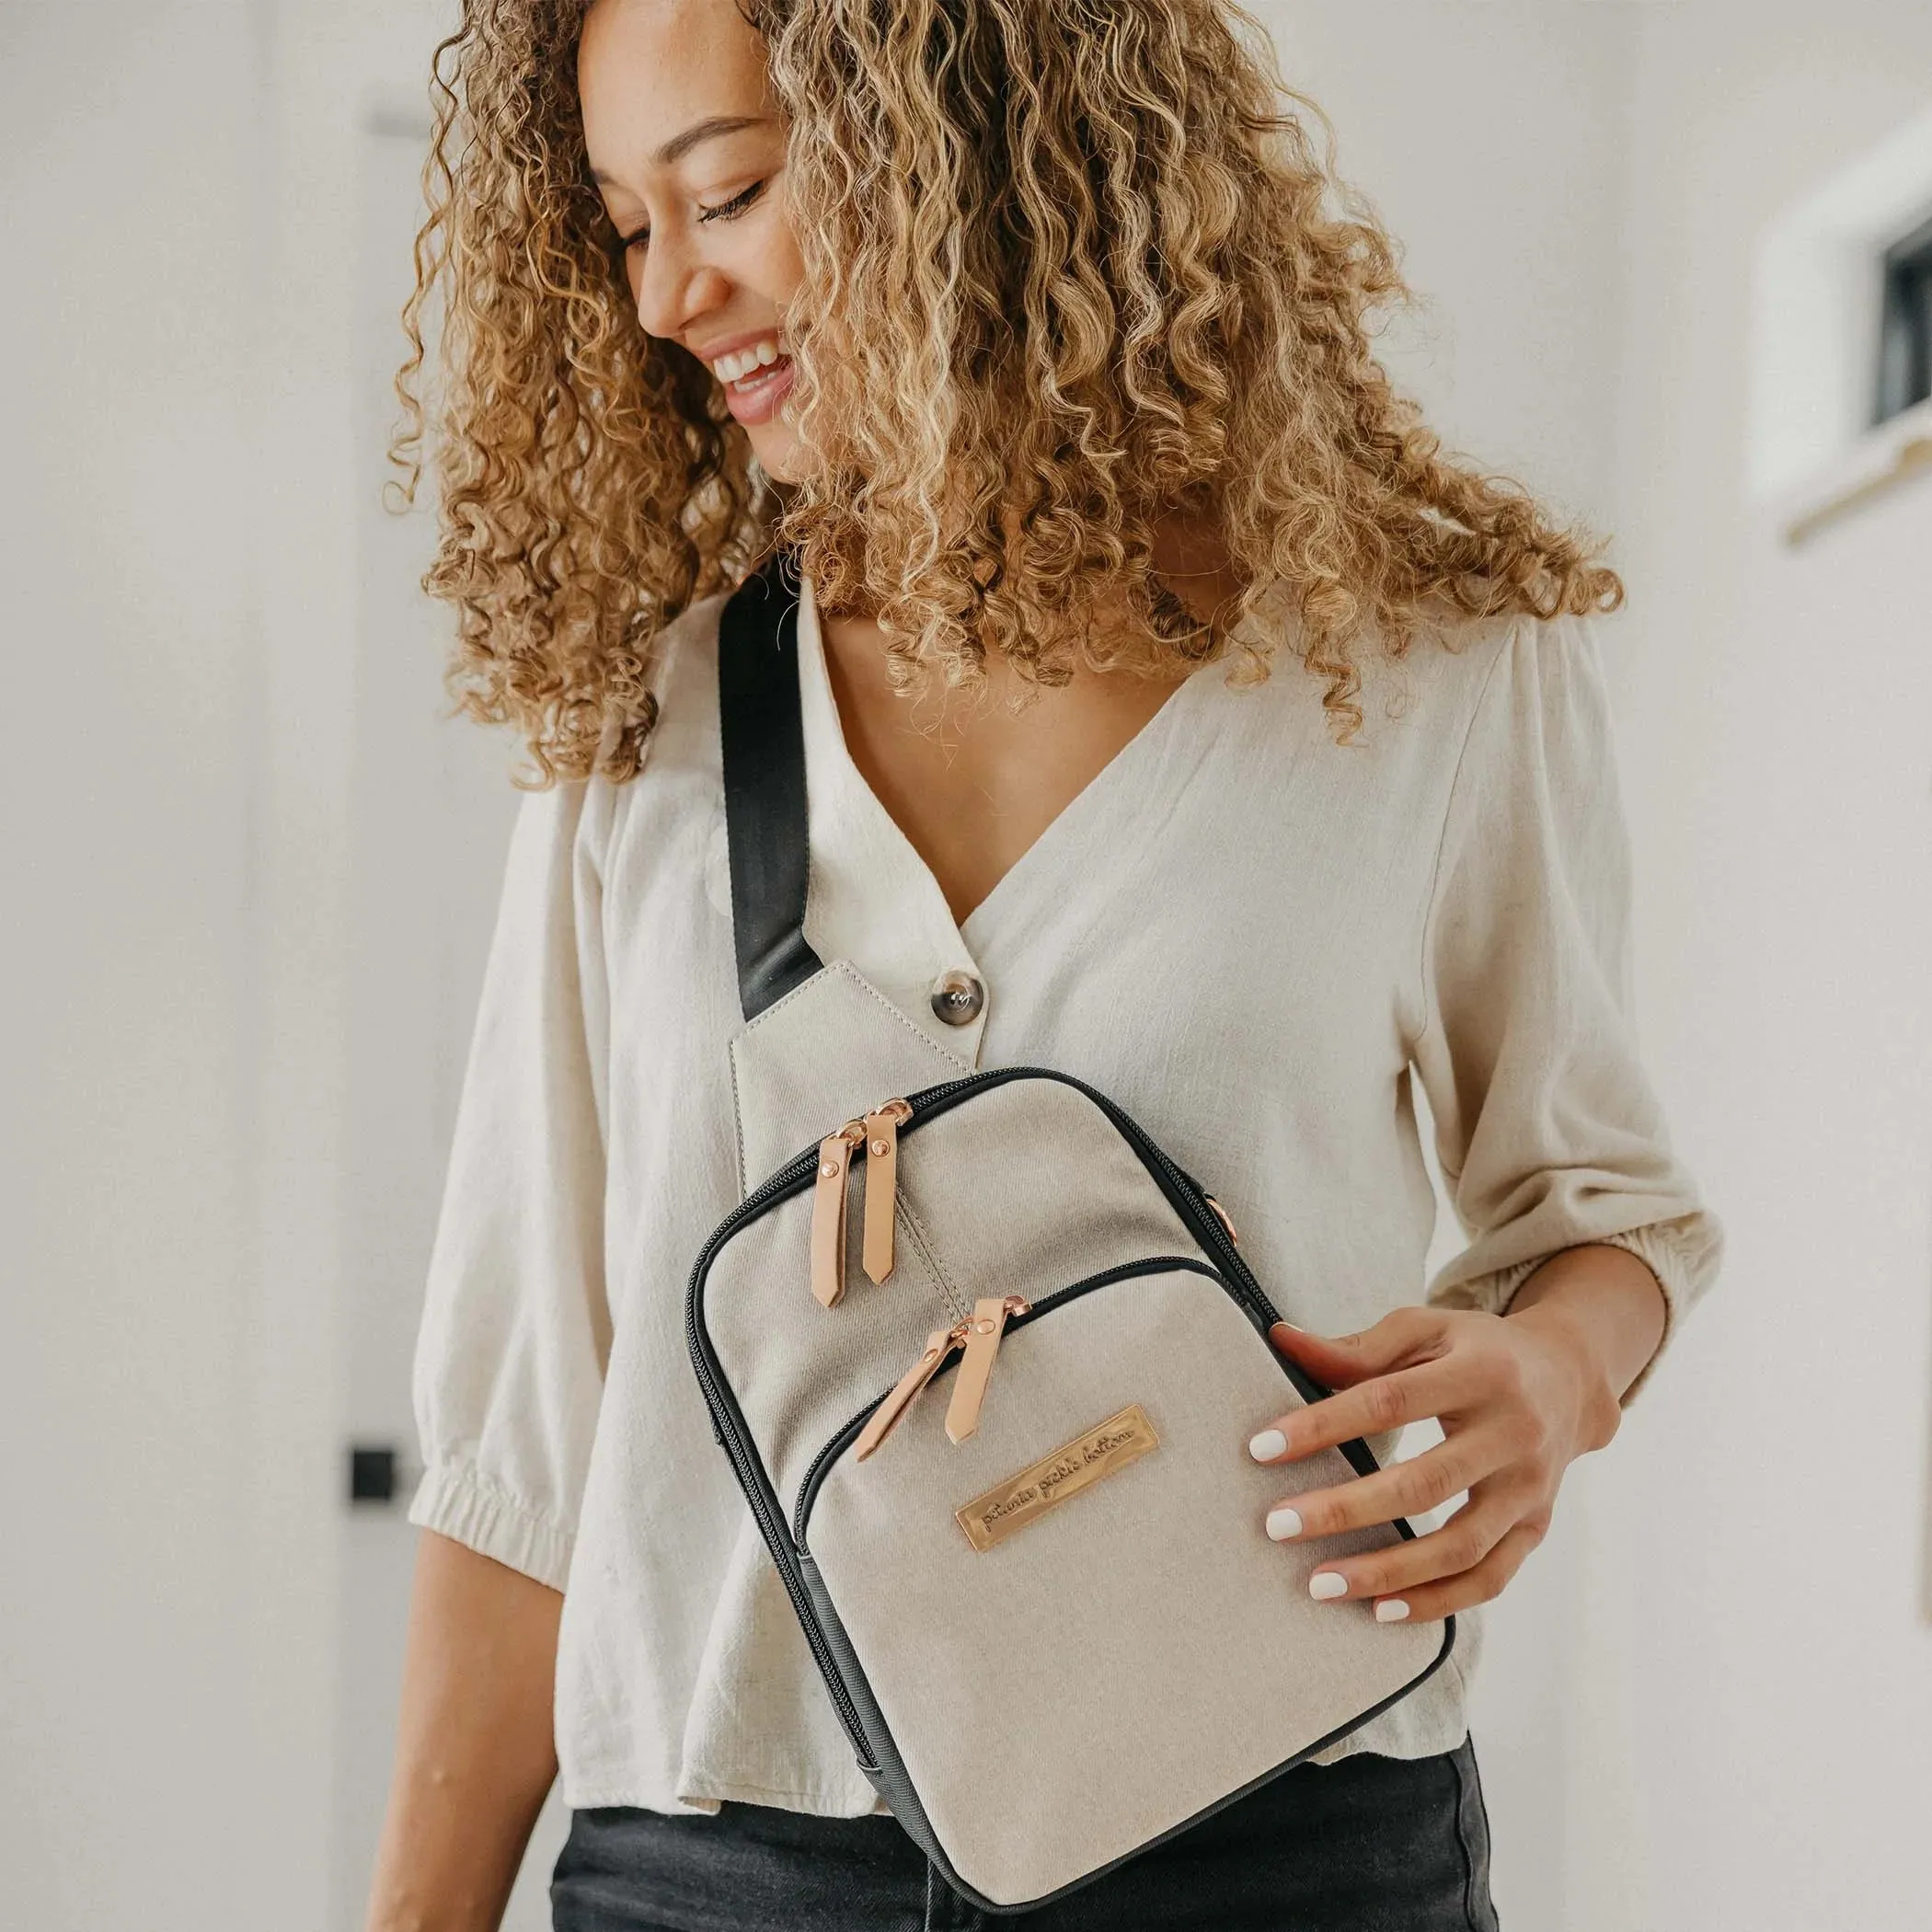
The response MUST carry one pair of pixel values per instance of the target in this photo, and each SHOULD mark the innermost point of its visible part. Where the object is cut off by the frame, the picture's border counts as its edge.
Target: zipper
(882, 1131)
(983, 1330)
(979, 1336)
(903, 1392)
(828, 1213)
(1221, 1214)
(728, 1425)
(860, 1426)
(878, 1134)
(1206, 1218)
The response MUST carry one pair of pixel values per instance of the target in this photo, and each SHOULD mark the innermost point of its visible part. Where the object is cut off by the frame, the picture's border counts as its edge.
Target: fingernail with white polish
(1326, 1583)
(1284, 1522)
(1391, 1610)
(1268, 1444)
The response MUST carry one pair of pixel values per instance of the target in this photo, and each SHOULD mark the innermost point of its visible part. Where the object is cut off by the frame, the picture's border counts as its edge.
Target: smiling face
(688, 154)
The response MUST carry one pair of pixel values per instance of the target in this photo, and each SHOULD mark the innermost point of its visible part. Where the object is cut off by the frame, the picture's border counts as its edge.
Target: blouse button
(958, 998)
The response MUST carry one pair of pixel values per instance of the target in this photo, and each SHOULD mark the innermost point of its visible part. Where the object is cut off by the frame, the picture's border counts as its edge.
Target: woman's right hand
(476, 1752)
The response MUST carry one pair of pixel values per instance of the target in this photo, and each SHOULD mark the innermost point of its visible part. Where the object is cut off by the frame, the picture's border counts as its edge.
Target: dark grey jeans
(1369, 1844)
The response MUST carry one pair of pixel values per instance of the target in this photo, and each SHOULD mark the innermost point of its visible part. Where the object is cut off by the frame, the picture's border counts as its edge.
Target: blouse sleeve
(515, 1330)
(1547, 1131)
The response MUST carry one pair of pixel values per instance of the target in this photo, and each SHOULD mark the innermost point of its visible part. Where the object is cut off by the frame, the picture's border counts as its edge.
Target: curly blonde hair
(1070, 266)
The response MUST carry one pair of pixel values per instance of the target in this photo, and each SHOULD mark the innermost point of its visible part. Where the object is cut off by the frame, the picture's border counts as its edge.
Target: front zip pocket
(867, 1431)
(1100, 1533)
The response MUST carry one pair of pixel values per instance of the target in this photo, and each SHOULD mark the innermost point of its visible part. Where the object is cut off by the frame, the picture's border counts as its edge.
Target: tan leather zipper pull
(828, 1213)
(969, 1389)
(939, 1344)
(881, 1127)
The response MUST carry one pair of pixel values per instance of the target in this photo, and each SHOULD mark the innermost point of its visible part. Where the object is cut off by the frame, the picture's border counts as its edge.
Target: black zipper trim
(1184, 1194)
(729, 1426)
(1125, 1272)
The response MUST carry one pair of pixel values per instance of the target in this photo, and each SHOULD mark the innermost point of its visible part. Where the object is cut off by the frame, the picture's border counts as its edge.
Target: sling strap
(762, 734)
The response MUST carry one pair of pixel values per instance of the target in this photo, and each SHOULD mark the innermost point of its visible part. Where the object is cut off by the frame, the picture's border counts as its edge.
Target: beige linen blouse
(1253, 939)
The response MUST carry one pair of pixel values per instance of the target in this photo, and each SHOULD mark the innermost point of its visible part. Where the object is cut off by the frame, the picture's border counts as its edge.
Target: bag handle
(762, 737)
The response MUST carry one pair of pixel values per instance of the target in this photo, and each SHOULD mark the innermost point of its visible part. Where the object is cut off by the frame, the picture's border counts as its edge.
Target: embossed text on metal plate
(1076, 1465)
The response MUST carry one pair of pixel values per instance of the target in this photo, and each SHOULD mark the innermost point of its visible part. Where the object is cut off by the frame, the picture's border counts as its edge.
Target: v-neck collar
(875, 900)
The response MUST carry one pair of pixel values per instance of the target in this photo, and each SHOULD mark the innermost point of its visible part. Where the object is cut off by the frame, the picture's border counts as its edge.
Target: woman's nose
(674, 290)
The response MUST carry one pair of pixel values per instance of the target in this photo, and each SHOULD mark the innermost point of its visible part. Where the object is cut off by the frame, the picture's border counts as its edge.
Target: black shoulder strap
(763, 736)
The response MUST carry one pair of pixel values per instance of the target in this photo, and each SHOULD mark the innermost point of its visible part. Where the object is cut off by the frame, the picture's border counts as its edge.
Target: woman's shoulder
(684, 659)
(1471, 688)
(681, 744)
(684, 688)
(1419, 705)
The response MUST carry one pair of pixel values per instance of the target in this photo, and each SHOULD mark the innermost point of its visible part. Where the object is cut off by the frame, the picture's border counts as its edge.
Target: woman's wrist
(1602, 1310)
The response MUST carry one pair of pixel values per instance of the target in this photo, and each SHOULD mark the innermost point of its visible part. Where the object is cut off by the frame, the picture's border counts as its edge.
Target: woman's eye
(723, 211)
(738, 203)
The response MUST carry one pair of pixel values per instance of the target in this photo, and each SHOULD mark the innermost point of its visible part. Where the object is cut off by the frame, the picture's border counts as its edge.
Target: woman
(1177, 715)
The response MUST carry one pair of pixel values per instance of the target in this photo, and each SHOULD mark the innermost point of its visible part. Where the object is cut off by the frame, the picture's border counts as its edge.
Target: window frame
(1904, 358)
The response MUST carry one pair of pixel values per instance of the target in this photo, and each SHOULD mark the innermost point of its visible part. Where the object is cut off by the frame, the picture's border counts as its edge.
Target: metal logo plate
(1076, 1465)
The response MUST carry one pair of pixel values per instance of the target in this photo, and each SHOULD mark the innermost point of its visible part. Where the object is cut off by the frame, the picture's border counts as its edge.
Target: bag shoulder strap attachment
(762, 737)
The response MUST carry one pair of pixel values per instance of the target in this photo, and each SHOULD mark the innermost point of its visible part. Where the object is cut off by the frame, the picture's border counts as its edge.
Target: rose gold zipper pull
(1222, 1215)
(828, 1213)
(881, 1127)
(939, 1344)
(969, 1389)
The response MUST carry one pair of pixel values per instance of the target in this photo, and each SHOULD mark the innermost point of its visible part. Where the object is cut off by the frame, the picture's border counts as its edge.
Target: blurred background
(1677, 273)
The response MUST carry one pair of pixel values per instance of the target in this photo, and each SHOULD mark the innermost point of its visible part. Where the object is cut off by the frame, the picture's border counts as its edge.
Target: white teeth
(741, 362)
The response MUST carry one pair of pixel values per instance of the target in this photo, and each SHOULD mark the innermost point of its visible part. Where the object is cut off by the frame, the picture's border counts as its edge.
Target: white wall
(1752, 1727)
(128, 1024)
(177, 538)
(1488, 135)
